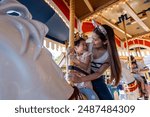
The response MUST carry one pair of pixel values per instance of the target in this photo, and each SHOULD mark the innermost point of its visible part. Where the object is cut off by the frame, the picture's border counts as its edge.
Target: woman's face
(97, 42)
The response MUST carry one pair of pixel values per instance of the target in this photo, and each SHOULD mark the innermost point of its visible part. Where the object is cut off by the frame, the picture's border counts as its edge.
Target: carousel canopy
(136, 14)
(41, 11)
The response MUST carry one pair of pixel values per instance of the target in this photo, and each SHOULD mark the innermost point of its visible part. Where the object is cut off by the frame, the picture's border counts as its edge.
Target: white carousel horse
(130, 82)
(27, 70)
(147, 61)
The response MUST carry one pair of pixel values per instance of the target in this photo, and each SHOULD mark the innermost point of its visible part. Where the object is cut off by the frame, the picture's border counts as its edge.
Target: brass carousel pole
(72, 21)
(66, 46)
(71, 32)
(139, 50)
(124, 26)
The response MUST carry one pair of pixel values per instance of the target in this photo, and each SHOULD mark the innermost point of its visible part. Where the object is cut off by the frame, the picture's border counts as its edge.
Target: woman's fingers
(75, 78)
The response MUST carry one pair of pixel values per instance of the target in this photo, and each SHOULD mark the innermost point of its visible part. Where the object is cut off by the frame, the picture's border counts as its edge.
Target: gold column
(71, 38)
(127, 42)
(72, 22)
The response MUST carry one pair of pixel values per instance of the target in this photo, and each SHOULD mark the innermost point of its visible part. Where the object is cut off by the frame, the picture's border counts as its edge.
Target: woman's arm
(142, 67)
(144, 70)
(135, 71)
(90, 77)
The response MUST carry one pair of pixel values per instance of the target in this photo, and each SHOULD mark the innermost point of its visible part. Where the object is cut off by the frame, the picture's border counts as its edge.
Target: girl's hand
(76, 61)
(70, 50)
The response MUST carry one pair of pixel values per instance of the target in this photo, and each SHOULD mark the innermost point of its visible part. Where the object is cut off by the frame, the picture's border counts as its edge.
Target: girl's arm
(81, 64)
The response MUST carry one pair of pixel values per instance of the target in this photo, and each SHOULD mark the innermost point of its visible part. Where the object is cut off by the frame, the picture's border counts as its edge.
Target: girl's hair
(77, 42)
(112, 50)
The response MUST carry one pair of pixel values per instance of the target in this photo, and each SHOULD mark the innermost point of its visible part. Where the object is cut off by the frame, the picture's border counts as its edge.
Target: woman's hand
(75, 78)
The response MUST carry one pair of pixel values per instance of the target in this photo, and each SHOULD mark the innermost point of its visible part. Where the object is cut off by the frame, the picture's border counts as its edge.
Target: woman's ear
(106, 42)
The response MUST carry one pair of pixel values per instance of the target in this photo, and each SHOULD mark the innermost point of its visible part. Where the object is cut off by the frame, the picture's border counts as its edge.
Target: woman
(104, 55)
(137, 70)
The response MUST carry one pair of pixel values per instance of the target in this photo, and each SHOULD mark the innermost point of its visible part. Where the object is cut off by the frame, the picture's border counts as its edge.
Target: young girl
(104, 55)
(82, 60)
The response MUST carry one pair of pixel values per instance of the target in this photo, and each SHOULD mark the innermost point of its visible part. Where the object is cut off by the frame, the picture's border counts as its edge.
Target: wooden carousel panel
(147, 21)
(99, 3)
(80, 7)
(133, 29)
(139, 5)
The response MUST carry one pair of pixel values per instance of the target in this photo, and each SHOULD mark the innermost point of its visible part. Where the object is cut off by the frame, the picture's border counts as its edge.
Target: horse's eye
(13, 13)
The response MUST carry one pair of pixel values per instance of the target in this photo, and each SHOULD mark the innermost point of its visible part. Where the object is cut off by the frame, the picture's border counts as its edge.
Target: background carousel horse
(130, 85)
(27, 70)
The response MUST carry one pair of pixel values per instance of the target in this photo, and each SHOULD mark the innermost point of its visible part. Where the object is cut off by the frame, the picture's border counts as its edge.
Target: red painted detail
(147, 43)
(117, 40)
(130, 43)
(87, 27)
(125, 45)
(136, 41)
(141, 42)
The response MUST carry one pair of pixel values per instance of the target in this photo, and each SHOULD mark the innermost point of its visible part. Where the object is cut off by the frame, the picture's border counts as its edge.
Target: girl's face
(97, 42)
(81, 48)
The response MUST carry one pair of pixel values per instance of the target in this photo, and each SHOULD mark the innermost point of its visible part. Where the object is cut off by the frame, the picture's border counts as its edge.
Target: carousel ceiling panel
(139, 5)
(111, 10)
(82, 6)
(57, 29)
(100, 3)
(120, 35)
(39, 10)
(141, 9)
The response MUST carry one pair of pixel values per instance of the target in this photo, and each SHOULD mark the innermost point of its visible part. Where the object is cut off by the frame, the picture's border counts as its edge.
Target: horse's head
(27, 70)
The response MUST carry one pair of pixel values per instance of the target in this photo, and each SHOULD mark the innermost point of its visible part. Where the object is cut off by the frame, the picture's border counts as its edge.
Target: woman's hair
(132, 58)
(112, 50)
(134, 62)
(77, 42)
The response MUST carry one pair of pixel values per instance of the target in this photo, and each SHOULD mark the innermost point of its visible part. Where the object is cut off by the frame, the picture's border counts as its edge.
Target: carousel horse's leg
(88, 93)
(143, 92)
(77, 95)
